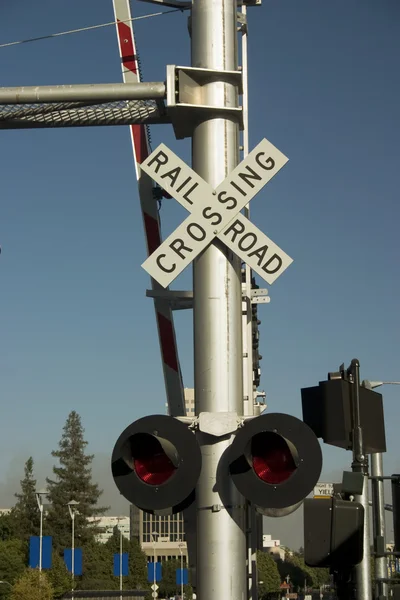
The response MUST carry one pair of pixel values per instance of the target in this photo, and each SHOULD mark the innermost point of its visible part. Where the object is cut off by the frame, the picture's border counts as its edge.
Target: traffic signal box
(327, 410)
(274, 461)
(333, 532)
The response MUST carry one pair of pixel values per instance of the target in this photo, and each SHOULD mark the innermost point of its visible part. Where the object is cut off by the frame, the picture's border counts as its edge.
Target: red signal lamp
(156, 463)
(275, 461)
(272, 458)
(151, 463)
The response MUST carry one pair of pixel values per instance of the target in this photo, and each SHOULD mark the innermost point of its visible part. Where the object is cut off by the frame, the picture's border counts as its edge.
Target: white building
(107, 524)
(273, 547)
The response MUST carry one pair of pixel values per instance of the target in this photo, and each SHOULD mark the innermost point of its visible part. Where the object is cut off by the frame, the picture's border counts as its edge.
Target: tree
(73, 481)
(7, 527)
(168, 585)
(32, 585)
(25, 513)
(97, 569)
(59, 577)
(268, 574)
(13, 558)
(137, 560)
(300, 574)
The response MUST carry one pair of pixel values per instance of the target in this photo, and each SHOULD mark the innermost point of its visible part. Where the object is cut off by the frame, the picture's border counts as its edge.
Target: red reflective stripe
(167, 342)
(139, 135)
(126, 45)
(151, 225)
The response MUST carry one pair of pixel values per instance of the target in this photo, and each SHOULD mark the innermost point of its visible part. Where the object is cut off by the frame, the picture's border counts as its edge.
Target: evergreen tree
(25, 514)
(59, 577)
(73, 481)
(137, 560)
(268, 575)
(13, 558)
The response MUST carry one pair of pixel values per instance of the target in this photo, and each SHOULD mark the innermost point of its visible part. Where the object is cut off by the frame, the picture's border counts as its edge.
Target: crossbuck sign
(215, 213)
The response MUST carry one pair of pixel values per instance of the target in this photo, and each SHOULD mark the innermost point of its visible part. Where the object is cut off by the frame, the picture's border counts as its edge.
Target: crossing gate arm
(151, 220)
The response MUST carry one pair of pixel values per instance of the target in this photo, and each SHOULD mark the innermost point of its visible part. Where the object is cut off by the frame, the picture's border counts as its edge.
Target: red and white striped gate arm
(151, 220)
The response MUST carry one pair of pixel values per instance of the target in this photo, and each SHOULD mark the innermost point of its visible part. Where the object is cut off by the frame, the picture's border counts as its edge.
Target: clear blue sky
(77, 331)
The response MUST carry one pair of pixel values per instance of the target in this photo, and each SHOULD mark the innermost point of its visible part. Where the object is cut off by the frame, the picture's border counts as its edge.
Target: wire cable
(53, 35)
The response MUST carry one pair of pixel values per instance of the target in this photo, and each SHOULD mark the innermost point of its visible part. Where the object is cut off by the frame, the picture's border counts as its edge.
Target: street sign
(215, 213)
(323, 490)
(154, 594)
(155, 587)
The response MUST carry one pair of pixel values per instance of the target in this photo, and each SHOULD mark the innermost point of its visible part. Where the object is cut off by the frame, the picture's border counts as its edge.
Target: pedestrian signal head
(156, 463)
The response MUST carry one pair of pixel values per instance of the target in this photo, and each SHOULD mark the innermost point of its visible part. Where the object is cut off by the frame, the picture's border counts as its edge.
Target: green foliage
(300, 574)
(97, 569)
(73, 481)
(32, 585)
(137, 566)
(8, 527)
(267, 573)
(168, 585)
(13, 558)
(59, 577)
(25, 514)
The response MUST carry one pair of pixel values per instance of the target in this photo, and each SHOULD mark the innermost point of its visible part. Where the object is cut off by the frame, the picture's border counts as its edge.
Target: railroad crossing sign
(215, 213)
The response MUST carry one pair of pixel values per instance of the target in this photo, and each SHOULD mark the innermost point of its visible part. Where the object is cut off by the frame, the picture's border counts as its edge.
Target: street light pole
(180, 550)
(378, 506)
(120, 557)
(72, 511)
(154, 536)
(39, 501)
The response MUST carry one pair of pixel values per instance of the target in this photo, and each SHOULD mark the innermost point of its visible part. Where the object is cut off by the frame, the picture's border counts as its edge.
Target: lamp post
(180, 550)
(39, 494)
(72, 504)
(120, 555)
(154, 535)
(378, 506)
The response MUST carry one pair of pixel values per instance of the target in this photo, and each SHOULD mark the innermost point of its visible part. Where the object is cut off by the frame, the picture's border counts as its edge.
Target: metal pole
(360, 465)
(378, 519)
(120, 562)
(154, 563)
(218, 362)
(181, 573)
(105, 92)
(73, 552)
(41, 536)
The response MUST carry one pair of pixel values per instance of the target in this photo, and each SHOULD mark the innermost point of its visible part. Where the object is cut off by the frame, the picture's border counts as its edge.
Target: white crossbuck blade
(215, 213)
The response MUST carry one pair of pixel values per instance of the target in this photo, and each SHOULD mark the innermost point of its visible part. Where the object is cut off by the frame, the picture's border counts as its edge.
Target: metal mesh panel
(27, 116)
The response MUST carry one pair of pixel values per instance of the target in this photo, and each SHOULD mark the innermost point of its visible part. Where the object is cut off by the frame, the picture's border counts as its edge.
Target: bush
(32, 585)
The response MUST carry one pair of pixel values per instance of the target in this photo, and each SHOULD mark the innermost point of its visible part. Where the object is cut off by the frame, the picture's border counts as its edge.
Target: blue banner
(34, 551)
(182, 574)
(154, 571)
(77, 560)
(117, 564)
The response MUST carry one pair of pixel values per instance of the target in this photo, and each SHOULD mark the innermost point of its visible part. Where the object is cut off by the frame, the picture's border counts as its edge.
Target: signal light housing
(275, 461)
(156, 463)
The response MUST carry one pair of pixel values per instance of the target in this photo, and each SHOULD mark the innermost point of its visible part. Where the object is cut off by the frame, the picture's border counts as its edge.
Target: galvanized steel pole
(218, 365)
(360, 465)
(378, 520)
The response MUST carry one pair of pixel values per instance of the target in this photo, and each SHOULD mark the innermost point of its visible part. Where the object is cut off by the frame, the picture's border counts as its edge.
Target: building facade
(162, 538)
(273, 547)
(107, 524)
